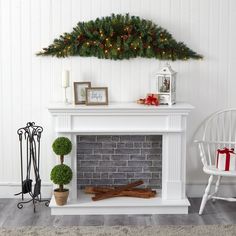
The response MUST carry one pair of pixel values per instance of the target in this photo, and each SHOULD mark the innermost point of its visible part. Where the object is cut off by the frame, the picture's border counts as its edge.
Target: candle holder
(66, 101)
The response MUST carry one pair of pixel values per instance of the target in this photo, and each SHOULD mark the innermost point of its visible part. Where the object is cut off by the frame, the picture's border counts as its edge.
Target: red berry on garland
(125, 37)
(101, 46)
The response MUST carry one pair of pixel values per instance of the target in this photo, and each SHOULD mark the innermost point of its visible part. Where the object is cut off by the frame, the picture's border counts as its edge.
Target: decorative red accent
(151, 100)
(227, 152)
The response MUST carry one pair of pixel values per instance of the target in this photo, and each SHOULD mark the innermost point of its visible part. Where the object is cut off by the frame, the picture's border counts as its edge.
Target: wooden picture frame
(80, 92)
(97, 96)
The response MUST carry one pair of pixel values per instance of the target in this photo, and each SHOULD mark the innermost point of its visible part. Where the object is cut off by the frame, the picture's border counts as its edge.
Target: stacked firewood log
(129, 190)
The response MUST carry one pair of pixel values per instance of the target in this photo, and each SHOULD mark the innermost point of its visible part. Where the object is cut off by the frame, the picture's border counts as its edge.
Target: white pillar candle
(65, 79)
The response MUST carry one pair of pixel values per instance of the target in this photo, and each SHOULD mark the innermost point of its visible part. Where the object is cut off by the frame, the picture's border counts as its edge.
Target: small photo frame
(97, 96)
(80, 91)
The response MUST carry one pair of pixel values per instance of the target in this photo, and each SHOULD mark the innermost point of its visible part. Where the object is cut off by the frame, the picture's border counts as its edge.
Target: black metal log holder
(32, 135)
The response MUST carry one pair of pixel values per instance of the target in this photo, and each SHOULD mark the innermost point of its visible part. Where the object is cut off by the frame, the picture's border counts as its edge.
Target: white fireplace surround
(128, 118)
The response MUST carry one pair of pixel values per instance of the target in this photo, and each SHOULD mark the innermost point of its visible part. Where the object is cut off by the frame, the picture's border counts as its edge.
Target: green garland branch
(119, 37)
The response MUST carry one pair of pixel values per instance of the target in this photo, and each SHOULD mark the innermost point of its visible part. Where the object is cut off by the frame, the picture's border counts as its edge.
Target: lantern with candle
(65, 83)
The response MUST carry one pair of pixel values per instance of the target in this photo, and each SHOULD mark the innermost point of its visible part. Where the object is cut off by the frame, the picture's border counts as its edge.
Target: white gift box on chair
(226, 159)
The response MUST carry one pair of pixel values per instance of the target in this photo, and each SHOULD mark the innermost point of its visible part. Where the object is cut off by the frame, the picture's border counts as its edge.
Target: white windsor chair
(219, 132)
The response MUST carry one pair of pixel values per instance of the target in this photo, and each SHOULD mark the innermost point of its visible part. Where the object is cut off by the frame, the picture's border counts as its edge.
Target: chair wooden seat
(219, 132)
(212, 170)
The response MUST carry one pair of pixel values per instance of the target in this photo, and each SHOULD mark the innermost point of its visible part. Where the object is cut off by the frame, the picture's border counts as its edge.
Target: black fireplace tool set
(29, 137)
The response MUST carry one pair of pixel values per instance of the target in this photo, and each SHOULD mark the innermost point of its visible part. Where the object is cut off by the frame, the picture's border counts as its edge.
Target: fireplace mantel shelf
(128, 118)
(119, 107)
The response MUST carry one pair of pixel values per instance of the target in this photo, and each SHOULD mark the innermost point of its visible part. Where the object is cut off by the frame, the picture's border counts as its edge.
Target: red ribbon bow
(227, 152)
(151, 100)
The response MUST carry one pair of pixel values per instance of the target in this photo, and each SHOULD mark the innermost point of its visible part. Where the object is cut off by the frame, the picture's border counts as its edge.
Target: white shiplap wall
(29, 83)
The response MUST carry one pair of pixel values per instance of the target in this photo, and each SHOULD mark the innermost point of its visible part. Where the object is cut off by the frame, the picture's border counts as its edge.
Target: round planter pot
(61, 197)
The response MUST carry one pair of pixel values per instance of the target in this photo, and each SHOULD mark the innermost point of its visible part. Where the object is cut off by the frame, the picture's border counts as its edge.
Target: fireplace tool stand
(30, 160)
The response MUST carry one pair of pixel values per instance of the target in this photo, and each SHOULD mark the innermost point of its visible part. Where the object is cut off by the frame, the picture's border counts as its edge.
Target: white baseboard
(7, 190)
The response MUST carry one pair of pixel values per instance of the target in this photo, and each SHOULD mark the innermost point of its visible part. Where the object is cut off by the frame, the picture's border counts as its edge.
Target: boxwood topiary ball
(61, 174)
(62, 146)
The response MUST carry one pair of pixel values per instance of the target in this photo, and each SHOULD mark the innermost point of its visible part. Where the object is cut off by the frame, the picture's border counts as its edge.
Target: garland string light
(119, 37)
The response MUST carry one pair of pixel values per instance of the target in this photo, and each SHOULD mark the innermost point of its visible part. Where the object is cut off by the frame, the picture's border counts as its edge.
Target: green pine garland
(119, 37)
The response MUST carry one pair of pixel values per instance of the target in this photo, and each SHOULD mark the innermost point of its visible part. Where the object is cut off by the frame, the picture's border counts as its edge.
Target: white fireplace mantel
(128, 118)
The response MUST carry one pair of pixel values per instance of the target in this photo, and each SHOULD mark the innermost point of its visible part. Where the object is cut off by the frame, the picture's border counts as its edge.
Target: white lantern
(166, 85)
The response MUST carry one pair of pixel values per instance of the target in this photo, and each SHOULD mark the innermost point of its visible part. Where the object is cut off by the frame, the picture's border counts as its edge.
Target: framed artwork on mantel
(80, 92)
(97, 96)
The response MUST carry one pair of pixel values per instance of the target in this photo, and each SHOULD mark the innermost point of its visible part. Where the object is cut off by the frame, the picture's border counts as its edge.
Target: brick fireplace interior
(113, 160)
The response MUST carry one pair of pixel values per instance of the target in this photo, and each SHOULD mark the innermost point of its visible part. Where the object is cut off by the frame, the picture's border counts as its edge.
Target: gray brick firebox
(119, 159)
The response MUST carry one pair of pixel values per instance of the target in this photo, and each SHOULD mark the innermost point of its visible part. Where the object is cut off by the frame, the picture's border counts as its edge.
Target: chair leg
(217, 187)
(205, 196)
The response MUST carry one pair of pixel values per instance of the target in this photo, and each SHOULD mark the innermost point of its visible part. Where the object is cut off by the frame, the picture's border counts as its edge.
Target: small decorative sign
(80, 91)
(97, 96)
